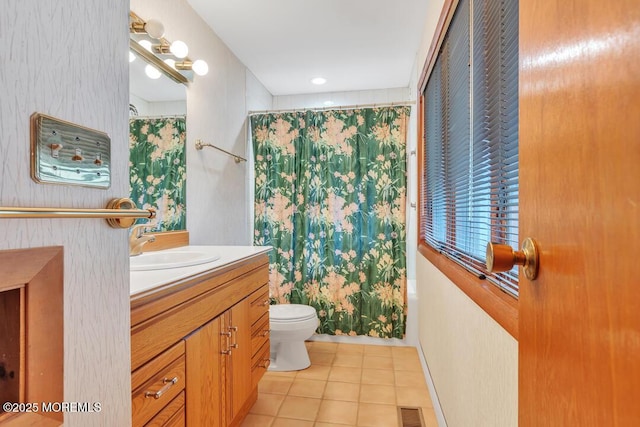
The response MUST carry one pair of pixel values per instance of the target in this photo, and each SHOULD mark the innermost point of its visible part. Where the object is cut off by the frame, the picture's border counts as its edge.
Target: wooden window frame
(502, 307)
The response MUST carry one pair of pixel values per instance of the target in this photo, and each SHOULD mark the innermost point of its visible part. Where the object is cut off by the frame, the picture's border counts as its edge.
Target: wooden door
(205, 382)
(240, 370)
(579, 332)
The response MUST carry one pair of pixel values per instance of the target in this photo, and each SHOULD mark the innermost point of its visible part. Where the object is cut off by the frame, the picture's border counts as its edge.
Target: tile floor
(346, 385)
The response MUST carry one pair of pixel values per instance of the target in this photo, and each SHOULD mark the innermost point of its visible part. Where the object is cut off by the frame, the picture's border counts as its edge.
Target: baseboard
(442, 422)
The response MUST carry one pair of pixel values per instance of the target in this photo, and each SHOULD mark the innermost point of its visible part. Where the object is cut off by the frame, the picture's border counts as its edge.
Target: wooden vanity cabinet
(207, 327)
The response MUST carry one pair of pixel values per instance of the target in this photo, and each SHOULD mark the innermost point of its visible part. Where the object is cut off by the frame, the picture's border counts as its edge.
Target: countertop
(141, 281)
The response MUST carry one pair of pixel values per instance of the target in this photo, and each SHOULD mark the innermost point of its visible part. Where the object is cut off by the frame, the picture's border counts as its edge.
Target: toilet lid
(291, 312)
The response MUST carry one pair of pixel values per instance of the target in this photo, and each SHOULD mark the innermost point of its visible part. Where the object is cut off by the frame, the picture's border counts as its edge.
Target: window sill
(502, 307)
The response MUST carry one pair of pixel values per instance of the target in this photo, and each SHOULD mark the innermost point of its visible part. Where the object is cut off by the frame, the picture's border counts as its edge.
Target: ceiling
(354, 44)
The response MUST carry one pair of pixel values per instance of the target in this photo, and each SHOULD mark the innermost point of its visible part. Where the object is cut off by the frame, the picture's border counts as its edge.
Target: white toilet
(290, 325)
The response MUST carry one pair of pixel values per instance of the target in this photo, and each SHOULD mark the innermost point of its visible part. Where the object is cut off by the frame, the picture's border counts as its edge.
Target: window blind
(470, 185)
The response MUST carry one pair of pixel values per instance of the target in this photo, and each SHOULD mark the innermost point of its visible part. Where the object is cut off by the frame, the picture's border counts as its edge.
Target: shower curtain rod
(335, 107)
(174, 116)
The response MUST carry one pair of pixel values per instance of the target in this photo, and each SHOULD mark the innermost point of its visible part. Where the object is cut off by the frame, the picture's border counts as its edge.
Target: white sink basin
(174, 259)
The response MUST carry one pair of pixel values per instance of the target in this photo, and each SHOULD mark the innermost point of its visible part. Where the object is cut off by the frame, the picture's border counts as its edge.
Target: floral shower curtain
(157, 168)
(330, 192)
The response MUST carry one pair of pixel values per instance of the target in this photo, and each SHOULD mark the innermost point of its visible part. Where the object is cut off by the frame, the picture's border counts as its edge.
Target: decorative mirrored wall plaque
(67, 153)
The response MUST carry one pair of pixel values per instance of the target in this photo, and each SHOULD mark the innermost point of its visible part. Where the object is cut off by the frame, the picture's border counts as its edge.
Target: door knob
(503, 258)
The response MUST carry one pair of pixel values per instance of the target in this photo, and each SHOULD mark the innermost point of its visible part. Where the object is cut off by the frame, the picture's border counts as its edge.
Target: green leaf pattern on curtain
(330, 195)
(157, 169)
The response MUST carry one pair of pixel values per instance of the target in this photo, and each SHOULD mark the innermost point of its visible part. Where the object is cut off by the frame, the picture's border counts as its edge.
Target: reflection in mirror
(157, 136)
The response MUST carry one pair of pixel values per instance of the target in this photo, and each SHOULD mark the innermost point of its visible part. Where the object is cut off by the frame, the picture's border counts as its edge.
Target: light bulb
(146, 44)
(132, 57)
(318, 80)
(154, 28)
(170, 62)
(200, 67)
(179, 49)
(152, 72)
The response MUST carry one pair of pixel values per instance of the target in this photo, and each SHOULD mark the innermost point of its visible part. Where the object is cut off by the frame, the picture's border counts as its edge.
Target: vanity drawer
(260, 363)
(157, 383)
(259, 303)
(172, 415)
(259, 333)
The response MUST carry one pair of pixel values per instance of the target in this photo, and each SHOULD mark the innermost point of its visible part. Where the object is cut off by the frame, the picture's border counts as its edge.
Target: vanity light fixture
(179, 49)
(152, 72)
(199, 67)
(147, 40)
(152, 27)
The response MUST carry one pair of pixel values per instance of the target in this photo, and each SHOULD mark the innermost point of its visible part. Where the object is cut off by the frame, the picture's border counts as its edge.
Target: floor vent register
(410, 417)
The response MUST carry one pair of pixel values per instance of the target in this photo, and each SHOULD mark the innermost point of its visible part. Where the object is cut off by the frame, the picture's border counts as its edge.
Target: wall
(217, 104)
(472, 360)
(164, 108)
(68, 59)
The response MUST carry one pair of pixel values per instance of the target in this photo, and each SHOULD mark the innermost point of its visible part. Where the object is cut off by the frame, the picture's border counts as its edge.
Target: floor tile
(375, 362)
(314, 372)
(338, 412)
(363, 388)
(329, 347)
(345, 374)
(404, 352)
(321, 358)
(267, 404)
(351, 348)
(375, 415)
(429, 416)
(348, 360)
(407, 364)
(307, 388)
(275, 385)
(347, 392)
(255, 420)
(334, 425)
(299, 408)
(288, 422)
(383, 394)
(409, 379)
(411, 396)
(377, 350)
(280, 374)
(378, 376)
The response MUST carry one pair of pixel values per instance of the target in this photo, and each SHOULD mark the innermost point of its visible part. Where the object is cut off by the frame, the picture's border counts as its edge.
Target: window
(469, 182)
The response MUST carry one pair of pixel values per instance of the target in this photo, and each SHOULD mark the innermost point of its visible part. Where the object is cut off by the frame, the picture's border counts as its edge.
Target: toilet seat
(288, 313)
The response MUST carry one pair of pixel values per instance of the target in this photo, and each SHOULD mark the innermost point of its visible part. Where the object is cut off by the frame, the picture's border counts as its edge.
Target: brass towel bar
(119, 213)
(200, 145)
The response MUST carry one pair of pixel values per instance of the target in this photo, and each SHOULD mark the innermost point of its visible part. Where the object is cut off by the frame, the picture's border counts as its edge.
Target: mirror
(157, 136)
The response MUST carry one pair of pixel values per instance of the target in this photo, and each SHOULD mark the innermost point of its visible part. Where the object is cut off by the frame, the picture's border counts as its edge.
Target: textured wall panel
(68, 59)
(473, 361)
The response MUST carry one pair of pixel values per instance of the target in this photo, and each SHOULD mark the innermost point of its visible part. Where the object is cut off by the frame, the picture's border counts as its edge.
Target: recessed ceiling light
(328, 103)
(318, 80)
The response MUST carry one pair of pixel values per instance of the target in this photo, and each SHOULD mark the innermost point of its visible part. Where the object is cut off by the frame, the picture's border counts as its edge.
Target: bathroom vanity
(199, 338)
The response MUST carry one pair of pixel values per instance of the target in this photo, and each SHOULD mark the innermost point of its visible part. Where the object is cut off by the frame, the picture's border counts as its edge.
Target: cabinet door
(205, 379)
(239, 372)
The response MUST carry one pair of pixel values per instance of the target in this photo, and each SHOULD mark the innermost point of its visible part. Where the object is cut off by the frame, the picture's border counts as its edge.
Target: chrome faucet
(137, 238)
